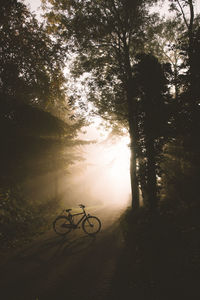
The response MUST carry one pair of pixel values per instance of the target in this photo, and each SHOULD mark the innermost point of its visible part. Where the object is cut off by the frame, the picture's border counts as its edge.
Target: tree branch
(191, 15)
(183, 14)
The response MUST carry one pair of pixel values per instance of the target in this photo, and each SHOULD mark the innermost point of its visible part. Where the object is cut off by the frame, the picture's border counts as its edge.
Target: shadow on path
(76, 266)
(26, 270)
(56, 246)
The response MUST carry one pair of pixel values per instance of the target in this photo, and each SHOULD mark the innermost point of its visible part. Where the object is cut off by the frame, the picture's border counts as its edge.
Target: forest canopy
(143, 74)
(36, 133)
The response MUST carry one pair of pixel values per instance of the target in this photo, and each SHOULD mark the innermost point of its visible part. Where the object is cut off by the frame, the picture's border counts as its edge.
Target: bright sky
(163, 9)
(34, 4)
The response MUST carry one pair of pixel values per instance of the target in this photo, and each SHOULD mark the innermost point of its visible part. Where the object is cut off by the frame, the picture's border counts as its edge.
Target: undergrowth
(161, 259)
(21, 220)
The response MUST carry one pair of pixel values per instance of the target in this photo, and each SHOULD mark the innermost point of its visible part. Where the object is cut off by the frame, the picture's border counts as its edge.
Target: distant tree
(163, 43)
(189, 47)
(181, 162)
(180, 6)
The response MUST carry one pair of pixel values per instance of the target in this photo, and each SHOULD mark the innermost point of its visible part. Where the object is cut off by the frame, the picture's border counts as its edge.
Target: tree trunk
(133, 149)
(151, 174)
(134, 179)
(191, 48)
(133, 132)
(142, 180)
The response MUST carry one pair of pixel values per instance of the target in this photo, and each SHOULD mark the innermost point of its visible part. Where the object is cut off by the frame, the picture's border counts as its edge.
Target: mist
(102, 177)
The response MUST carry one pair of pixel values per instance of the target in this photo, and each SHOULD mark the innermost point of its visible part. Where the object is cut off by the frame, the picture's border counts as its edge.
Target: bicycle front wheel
(91, 225)
(62, 225)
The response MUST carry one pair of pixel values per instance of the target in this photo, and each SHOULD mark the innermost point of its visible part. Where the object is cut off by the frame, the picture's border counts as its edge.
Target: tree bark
(133, 148)
(151, 174)
(132, 121)
(191, 45)
(134, 179)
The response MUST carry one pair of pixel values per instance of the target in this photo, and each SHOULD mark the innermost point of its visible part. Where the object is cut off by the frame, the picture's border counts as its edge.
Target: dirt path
(57, 268)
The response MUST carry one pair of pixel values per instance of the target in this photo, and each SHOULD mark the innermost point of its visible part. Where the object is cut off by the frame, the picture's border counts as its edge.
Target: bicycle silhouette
(63, 224)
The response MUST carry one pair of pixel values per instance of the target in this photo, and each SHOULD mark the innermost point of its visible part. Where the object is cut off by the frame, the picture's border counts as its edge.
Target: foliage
(180, 179)
(106, 36)
(21, 219)
(97, 34)
(36, 140)
(181, 183)
(30, 61)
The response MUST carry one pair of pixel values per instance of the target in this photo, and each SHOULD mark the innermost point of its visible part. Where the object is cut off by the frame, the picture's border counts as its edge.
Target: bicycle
(63, 224)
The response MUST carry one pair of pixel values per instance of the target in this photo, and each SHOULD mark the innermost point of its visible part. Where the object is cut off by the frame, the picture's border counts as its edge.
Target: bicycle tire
(62, 225)
(91, 225)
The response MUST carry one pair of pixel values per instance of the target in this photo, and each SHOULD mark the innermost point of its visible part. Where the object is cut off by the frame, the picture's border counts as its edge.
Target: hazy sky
(34, 4)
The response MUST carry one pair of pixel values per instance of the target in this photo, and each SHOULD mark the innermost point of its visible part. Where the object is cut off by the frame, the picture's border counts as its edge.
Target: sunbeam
(104, 176)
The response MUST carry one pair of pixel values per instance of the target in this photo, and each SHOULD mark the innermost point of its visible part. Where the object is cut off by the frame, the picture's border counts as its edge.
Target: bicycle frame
(70, 217)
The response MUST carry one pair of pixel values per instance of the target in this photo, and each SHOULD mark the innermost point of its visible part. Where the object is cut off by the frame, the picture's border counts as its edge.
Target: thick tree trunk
(133, 149)
(142, 180)
(151, 174)
(132, 126)
(134, 179)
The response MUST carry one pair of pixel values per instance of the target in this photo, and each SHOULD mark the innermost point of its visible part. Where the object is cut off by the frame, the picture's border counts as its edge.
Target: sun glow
(115, 157)
(104, 177)
(116, 161)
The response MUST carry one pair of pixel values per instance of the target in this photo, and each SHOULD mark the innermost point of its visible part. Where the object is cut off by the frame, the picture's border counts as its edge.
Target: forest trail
(76, 266)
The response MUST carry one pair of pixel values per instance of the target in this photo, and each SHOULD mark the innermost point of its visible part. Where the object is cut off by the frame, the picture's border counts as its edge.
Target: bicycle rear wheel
(91, 225)
(62, 225)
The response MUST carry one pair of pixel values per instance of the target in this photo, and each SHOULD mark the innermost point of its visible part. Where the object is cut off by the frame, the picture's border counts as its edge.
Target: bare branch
(183, 14)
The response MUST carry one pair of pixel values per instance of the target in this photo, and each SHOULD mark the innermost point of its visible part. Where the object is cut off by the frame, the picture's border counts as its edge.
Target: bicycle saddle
(68, 210)
(82, 206)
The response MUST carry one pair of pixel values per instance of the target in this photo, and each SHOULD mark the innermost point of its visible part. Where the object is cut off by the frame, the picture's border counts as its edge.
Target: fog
(102, 178)
(99, 174)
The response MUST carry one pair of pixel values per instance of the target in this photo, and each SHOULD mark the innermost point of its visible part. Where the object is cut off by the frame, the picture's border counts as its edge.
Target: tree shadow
(58, 246)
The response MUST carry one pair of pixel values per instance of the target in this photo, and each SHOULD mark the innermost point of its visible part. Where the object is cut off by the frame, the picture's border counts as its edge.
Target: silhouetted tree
(30, 61)
(106, 36)
(152, 119)
(189, 46)
(31, 81)
(34, 141)
(181, 157)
